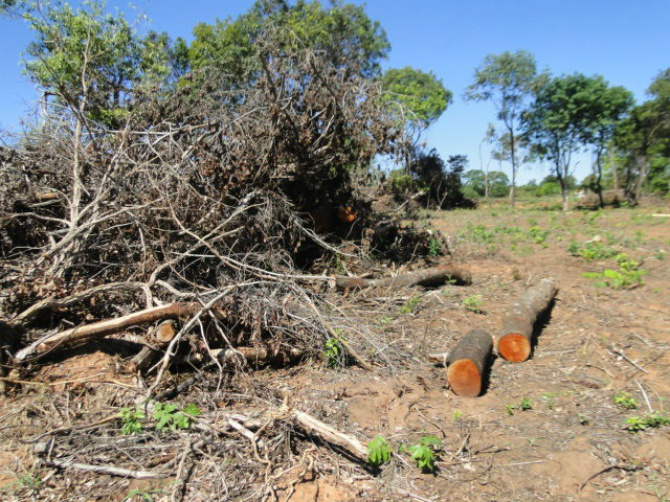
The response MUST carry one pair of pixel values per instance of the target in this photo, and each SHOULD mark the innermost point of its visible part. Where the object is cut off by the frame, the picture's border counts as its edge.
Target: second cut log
(515, 342)
(468, 363)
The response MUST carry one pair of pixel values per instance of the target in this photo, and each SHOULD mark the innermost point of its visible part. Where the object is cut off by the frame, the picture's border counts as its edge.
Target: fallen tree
(429, 278)
(515, 342)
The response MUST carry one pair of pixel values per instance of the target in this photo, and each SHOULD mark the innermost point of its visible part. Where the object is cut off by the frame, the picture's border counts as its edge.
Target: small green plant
(637, 424)
(628, 275)
(524, 405)
(594, 250)
(168, 417)
(625, 400)
(411, 305)
(379, 451)
(474, 303)
(424, 452)
(457, 415)
(131, 420)
(538, 235)
(333, 352)
(434, 247)
(30, 481)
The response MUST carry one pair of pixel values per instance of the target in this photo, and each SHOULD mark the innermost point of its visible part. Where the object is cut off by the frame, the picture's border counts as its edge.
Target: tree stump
(468, 363)
(516, 339)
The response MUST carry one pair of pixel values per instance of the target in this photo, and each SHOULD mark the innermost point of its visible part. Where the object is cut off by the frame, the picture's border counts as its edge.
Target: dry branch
(103, 328)
(468, 363)
(429, 278)
(325, 432)
(517, 332)
(24, 318)
(104, 469)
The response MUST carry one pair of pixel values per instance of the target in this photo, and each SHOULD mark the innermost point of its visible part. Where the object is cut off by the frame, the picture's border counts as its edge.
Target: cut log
(516, 339)
(429, 278)
(160, 338)
(468, 363)
(101, 329)
(256, 356)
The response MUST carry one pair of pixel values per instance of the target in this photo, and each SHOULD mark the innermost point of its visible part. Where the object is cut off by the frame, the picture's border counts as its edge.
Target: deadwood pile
(202, 246)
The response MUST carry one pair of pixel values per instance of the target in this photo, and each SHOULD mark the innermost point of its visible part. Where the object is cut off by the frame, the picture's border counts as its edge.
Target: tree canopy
(419, 98)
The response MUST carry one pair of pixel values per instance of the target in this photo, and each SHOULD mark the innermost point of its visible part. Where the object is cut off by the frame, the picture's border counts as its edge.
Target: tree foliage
(343, 33)
(642, 141)
(563, 119)
(418, 98)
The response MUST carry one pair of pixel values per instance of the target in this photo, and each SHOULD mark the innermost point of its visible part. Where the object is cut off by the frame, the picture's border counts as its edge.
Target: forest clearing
(579, 407)
(233, 267)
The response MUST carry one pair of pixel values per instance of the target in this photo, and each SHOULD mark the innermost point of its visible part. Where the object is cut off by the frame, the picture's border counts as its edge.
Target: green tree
(609, 106)
(561, 120)
(476, 180)
(508, 80)
(419, 98)
(344, 32)
(642, 141)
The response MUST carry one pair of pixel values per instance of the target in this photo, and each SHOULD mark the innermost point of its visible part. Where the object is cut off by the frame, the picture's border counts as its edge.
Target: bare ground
(568, 445)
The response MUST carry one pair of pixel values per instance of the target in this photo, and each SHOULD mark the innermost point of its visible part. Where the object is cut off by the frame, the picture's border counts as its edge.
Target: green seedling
(379, 451)
(625, 400)
(654, 420)
(628, 275)
(168, 417)
(474, 303)
(333, 352)
(131, 420)
(424, 452)
(411, 305)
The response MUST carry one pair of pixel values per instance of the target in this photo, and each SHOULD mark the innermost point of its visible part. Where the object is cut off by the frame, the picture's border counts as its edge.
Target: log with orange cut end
(468, 363)
(515, 342)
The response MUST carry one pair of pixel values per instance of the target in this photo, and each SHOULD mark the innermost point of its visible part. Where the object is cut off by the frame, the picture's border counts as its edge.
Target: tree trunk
(429, 278)
(615, 171)
(516, 340)
(468, 363)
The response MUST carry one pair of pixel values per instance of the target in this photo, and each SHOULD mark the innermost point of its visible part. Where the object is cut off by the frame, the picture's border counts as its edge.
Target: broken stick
(517, 332)
(468, 363)
(429, 278)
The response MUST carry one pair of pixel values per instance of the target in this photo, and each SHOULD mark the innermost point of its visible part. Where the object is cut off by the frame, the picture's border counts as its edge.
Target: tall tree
(609, 107)
(562, 119)
(643, 141)
(508, 80)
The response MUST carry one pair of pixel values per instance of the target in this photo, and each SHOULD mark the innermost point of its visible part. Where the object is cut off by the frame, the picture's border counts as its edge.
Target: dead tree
(516, 339)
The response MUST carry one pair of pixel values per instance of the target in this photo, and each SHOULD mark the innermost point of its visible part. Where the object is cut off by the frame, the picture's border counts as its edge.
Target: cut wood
(256, 356)
(159, 339)
(468, 363)
(429, 278)
(104, 328)
(516, 339)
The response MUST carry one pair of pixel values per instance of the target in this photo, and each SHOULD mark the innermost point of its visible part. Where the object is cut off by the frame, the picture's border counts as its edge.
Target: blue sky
(626, 42)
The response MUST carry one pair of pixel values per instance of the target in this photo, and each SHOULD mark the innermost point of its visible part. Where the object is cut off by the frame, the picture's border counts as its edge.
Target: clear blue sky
(627, 42)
